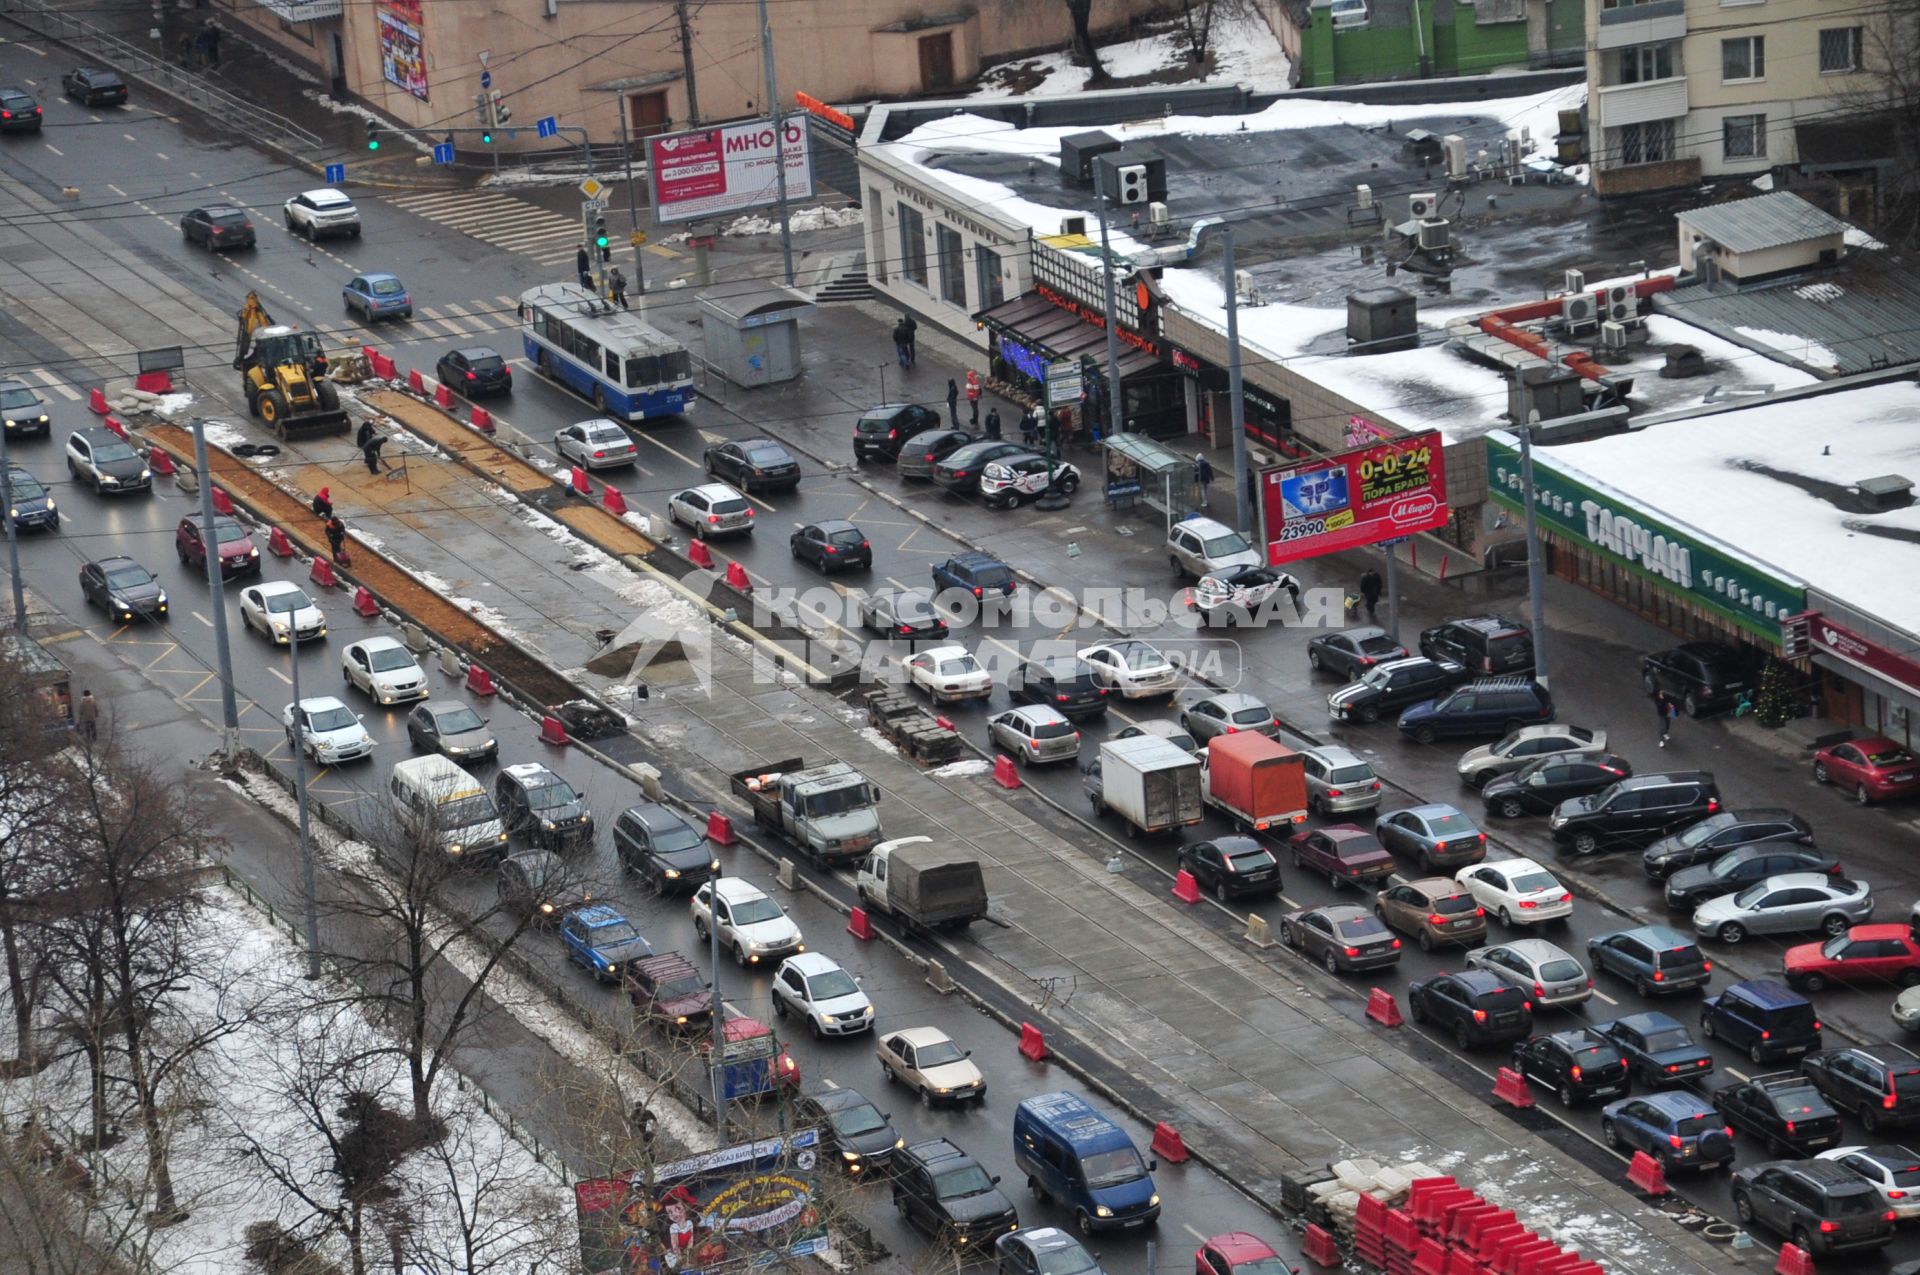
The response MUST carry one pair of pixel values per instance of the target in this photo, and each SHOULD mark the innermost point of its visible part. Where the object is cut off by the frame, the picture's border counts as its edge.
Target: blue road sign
(547, 126)
(442, 153)
(336, 173)
(486, 79)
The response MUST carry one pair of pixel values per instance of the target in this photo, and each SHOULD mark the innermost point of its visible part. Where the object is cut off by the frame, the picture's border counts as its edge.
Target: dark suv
(19, 113)
(1577, 1064)
(1782, 1111)
(1635, 811)
(474, 371)
(1735, 870)
(1821, 1205)
(1065, 683)
(1393, 685)
(1713, 836)
(535, 801)
(881, 430)
(1477, 1006)
(1656, 959)
(1769, 1020)
(658, 844)
(1491, 707)
(1703, 676)
(976, 573)
(944, 1191)
(1484, 644)
(238, 554)
(669, 992)
(1879, 1084)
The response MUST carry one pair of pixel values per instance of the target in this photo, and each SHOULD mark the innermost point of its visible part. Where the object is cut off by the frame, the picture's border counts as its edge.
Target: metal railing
(43, 18)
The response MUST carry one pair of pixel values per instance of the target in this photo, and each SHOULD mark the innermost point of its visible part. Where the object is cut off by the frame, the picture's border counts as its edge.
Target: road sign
(1063, 383)
(336, 173)
(486, 79)
(546, 126)
(638, 238)
(591, 188)
(443, 152)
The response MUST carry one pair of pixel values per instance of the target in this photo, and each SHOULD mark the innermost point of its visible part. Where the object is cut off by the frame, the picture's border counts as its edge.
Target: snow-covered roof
(1775, 480)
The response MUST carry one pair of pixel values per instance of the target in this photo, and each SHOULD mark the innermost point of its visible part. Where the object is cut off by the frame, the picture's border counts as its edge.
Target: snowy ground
(1243, 47)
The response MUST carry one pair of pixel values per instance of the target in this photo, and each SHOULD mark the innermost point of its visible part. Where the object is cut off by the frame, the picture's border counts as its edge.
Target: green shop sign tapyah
(1615, 528)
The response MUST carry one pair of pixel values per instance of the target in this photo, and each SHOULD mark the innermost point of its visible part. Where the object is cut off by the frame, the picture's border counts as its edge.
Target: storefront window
(953, 279)
(992, 289)
(913, 245)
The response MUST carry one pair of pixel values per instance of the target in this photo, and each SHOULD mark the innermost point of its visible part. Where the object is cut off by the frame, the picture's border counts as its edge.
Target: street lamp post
(633, 211)
(307, 882)
(1236, 394)
(229, 708)
(1536, 567)
(718, 1070)
(13, 534)
(1114, 423)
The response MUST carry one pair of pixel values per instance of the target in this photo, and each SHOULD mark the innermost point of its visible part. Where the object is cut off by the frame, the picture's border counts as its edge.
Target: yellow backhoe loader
(284, 374)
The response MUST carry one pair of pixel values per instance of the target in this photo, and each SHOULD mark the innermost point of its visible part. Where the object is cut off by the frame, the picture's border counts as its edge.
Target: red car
(1875, 769)
(1345, 853)
(1238, 1253)
(1865, 954)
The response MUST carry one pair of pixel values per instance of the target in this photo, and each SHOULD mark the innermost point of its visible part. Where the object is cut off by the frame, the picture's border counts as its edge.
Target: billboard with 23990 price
(1381, 491)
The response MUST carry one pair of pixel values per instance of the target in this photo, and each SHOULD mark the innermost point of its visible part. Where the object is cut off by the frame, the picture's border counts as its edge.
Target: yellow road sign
(591, 188)
(638, 238)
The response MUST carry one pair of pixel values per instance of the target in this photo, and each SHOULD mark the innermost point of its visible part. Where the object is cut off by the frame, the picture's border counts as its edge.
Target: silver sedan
(1788, 904)
(596, 444)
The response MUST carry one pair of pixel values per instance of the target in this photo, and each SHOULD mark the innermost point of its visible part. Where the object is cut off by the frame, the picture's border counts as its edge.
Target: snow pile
(225, 436)
(962, 769)
(170, 405)
(818, 217)
(1242, 46)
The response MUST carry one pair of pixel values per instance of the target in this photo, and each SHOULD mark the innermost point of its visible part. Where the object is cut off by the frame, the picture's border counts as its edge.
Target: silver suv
(1339, 781)
(1201, 546)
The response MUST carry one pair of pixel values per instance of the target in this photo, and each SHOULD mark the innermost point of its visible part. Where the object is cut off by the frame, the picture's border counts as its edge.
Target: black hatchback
(219, 226)
(1578, 1065)
(474, 371)
(925, 450)
(831, 544)
(1477, 1006)
(1065, 683)
(94, 86)
(882, 430)
(19, 113)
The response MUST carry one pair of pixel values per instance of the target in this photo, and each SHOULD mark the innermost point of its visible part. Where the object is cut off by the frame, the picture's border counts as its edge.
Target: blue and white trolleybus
(627, 368)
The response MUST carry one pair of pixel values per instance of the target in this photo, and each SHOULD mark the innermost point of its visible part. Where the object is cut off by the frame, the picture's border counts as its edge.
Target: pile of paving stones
(912, 728)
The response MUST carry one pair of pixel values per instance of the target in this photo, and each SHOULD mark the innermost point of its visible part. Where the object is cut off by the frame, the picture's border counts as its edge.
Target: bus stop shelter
(753, 331)
(1142, 469)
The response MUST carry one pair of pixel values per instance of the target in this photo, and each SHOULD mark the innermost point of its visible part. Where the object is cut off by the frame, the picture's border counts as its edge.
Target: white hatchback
(326, 730)
(281, 610)
(711, 509)
(383, 669)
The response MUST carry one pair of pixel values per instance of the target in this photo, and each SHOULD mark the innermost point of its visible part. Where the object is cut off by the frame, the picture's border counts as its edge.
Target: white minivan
(436, 798)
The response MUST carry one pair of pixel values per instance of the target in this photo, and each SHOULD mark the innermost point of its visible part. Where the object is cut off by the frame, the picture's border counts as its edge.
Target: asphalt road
(462, 280)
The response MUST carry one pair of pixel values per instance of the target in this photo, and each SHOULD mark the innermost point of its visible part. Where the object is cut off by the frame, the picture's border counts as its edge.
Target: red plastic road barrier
(860, 925)
(1430, 1258)
(1794, 1260)
(1185, 888)
(222, 503)
(153, 383)
(1518, 1258)
(1317, 1246)
(1470, 1225)
(699, 555)
(720, 828)
(481, 420)
(553, 731)
(383, 367)
(579, 482)
(443, 397)
(1003, 772)
(363, 603)
(368, 352)
(1168, 1144)
(1460, 1262)
(321, 573)
(1033, 1045)
(479, 681)
(278, 545)
(415, 382)
(737, 578)
(161, 462)
(1420, 1188)
(1546, 1263)
(113, 423)
(612, 501)
(1400, 1233)
(944, 723)
(1511, 1087)
(1383, 1009)
(1369, 1212)
(97, 403)
(1647, 1173)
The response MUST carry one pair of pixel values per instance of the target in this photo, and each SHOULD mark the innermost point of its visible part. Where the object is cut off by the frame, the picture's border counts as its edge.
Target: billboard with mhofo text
(1381, 491)
(730, 169)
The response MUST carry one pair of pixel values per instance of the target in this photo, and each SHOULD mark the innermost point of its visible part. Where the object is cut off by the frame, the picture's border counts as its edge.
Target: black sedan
(94, 86)
(1065, 683)
(905, 613)
(1351, 652)
(753, 464)
(1344, 937)
(1782, 1110)
(831, 544)
(1543, 783)
(1658, 1048)
(1232, 867)
(123, 589)
(1735, 870)
(1707, 840)
(855, 1133)
(219, 226)
(960, 471)
(474, 371)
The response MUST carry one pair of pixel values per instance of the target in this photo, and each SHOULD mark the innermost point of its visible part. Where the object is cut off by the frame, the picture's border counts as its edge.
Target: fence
(41, 17)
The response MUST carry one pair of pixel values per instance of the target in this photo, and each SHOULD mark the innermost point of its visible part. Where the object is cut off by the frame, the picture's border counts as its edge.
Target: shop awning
(1132, 362)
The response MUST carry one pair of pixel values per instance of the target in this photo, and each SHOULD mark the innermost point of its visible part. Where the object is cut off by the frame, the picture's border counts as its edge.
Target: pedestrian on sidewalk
(913, 328)
(337, 538)
(363, 435)
(1370, 586)
(617, 287)
(371, 451)
(993, 423)
(210, 41)
(973, 397)
(902, 342)
(323, 503)
(1030, 426)
(1203, 480)
(87, 713)
(1668, 710)
(953, 402)
(583, 266)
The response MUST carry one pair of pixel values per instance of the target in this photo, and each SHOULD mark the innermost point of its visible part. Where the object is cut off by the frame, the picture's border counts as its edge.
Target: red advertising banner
(728, 169)
(1846, 645)
(1377, 492)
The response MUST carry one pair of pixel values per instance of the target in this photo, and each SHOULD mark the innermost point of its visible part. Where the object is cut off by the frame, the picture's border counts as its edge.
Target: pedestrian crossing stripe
(511, 224)
(54, 383)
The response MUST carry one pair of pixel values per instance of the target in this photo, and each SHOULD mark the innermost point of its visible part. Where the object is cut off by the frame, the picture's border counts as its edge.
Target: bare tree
(1883, 103)
(1084, 52)
(491, 1215)
(1199, 19)
(33, 807)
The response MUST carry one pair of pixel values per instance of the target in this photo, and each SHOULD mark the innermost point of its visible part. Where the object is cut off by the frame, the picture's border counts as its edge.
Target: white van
(435, 797)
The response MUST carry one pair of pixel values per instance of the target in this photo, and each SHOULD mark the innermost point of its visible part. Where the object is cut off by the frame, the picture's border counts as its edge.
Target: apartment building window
(986, 264)
(1649, 143)
(913, 245)
(1644, 62)
(1840, 49)
(953, 278)
(1743, 136)
(1743, 58)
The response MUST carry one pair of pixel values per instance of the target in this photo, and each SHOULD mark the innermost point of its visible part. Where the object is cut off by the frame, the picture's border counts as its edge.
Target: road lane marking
(130, 137)
(1198, 1235)
(282, 676)
(39, 53)
(203, 619)
(55, 149)
(685, 459)
(1603, 996)
(162, 156)
(1738, 1075)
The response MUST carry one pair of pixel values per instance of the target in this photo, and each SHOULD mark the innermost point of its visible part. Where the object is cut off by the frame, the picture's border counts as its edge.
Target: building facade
(1684, 90)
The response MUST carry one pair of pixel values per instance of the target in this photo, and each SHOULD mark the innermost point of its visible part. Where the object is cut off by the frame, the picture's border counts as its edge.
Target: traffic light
(373, 135)
(501, 111)
(486, 136)
(600, 239)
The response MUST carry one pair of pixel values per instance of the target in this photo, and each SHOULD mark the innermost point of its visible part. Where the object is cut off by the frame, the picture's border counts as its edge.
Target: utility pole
(779, 140)
(633, 211)
(300, 800)
(229, 709)
(1236, 396)
(13, 536)
(719, 1068)
(686, 62)
(1536, 572)
(1114, 424)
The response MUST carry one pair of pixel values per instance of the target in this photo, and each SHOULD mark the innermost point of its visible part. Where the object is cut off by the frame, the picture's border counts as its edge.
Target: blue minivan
(1769, 1020)
(1085, 1162)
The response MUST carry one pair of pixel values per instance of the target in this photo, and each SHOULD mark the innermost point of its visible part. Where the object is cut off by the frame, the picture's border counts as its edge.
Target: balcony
(1621, 104)
(1641, 24)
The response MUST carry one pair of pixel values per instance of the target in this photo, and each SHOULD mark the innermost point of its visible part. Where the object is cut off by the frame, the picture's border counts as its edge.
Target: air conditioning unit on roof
(1620, 304)
(1579, 312)
(1613, 337)
(1435, 234)
(1421, 207)
(1157, 213)
(1073, 225)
